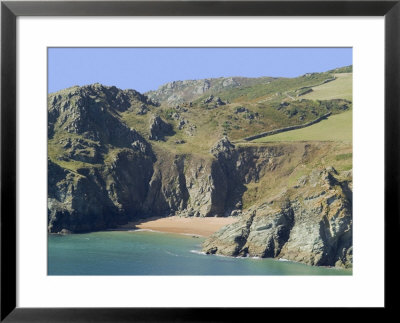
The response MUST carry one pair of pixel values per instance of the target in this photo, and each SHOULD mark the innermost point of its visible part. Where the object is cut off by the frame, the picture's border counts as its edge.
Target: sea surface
(155, 253)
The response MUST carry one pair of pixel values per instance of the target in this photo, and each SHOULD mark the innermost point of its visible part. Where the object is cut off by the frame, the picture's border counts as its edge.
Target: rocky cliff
(310, 223)
(178, 92)
(98, 167)
(103, 173)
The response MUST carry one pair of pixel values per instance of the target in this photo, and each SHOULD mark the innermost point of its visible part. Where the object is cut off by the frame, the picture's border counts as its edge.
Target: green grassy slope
(336, 128)
(320, 154)
(266, 104)
(341, 88)
(275, 90)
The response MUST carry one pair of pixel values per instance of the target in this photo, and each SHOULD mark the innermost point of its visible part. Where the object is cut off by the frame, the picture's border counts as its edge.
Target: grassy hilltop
(246, 107)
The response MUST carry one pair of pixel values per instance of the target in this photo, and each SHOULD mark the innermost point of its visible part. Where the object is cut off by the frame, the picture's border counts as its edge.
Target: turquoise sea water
(155, 253)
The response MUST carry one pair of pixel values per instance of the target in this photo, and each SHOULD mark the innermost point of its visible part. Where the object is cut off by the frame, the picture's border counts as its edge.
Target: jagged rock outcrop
(77, 204)
(309, 223)
(108, 173)
(223, 148)
(213, 102)
(159, 129)
(96, 198)
(243, 165)
(209, 99)
(104, 165)
(133, 182)
(178, 92)
(241, 109)
(142, 110)
(93, 112)
(81, 149)
(102, 173)
(186, 185)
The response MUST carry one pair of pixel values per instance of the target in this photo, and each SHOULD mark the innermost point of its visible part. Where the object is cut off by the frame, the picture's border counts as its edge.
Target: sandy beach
(184, 225)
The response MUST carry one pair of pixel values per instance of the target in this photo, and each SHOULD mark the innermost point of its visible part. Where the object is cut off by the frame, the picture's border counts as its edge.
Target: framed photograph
(172, 160)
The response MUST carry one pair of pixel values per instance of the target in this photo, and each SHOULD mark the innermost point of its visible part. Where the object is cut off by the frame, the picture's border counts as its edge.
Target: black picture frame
(10, 10)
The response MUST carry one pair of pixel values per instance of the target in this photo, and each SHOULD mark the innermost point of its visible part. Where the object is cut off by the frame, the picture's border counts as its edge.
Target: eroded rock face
(213, 102)
(107, 164)
(310, 223)
(98, 198)
(159, 129)
(178, 92)
(243, 165)
(83, 150)
(143, 109)
(107, 174)
(92, 112)
(76, 203)
(186, 186)
(135, 182)
(223, 147)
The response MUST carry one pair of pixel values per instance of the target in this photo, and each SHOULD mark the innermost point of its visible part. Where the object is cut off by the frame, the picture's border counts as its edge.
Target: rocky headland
(103, 173)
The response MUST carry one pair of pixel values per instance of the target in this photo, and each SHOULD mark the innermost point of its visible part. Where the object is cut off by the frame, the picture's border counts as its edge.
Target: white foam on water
(145, 230)
(172, 254)
(192, 234)
(198, 252)
(218, 255)
(223, 256)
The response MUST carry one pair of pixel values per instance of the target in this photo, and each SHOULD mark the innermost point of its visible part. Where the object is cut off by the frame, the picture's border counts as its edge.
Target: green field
(336, 128)
(341, 88)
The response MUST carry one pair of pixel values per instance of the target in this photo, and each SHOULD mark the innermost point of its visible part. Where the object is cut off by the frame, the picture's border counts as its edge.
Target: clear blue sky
(145, 69)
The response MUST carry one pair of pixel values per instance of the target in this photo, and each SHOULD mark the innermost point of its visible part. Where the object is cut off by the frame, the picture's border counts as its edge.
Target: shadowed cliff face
(137, 183)
(98, 198)
(186, 185)
(98, 168)
(102, 173)
(310, 222)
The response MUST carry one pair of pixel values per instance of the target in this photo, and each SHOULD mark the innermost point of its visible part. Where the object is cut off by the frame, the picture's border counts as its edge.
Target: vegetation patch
(335, 128)
(344, 156)
(341, 87)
